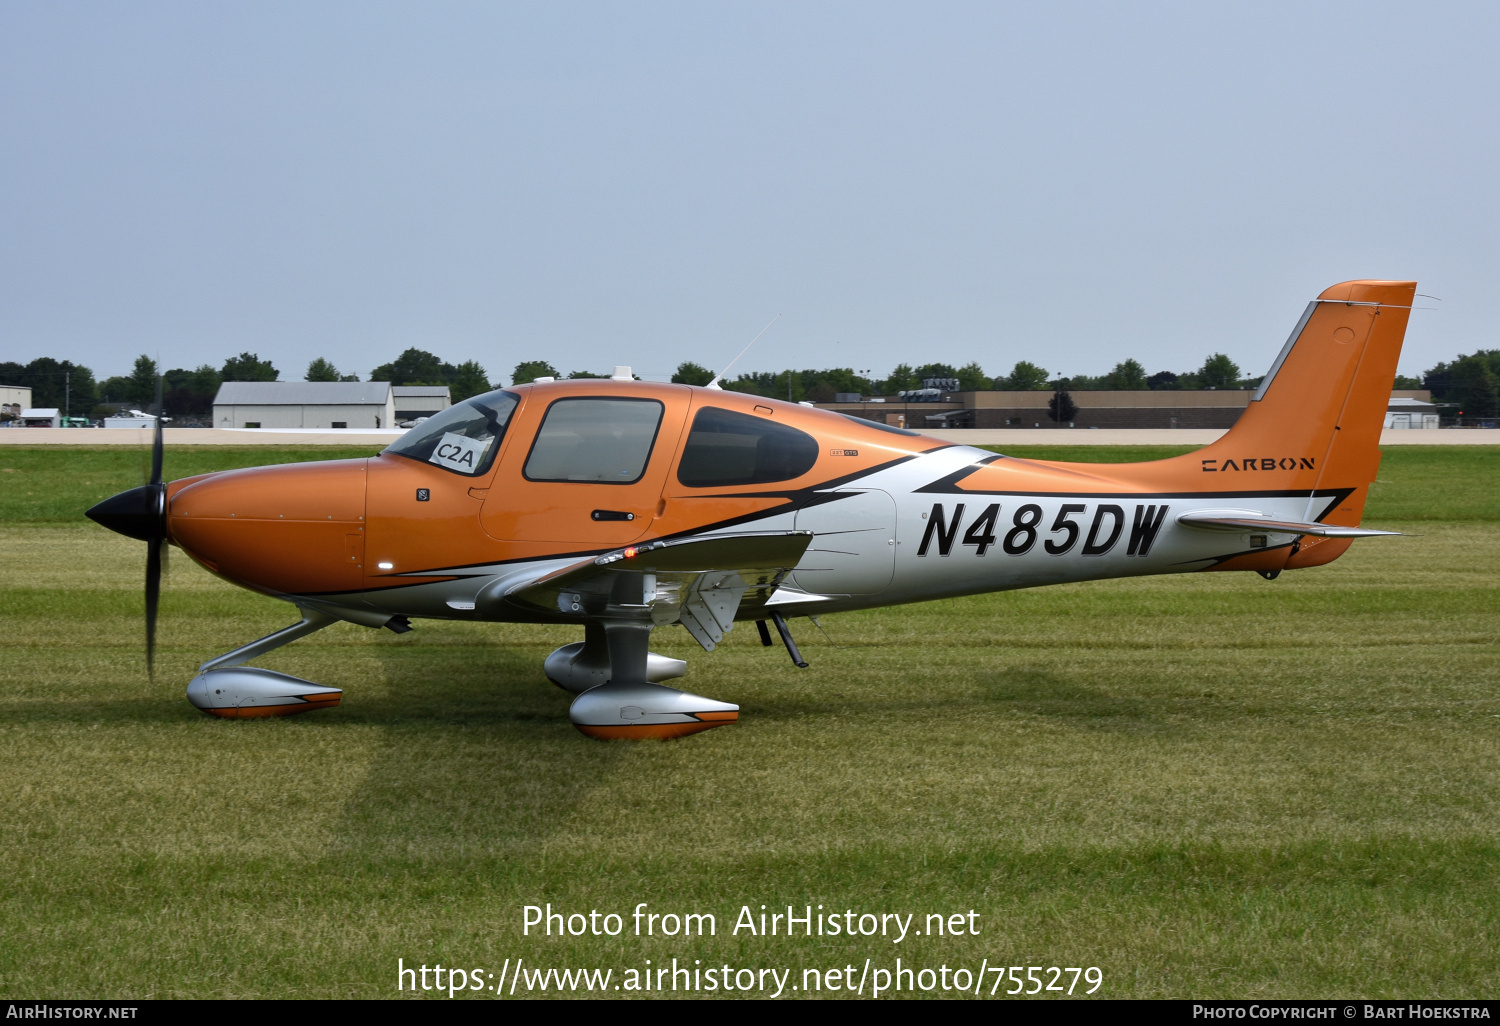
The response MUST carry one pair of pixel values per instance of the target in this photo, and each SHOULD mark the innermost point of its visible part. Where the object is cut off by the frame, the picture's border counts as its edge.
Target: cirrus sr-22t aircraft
(622, 506)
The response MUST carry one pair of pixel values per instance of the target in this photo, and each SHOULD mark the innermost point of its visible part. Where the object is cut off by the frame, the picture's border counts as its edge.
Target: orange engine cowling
(293, 529)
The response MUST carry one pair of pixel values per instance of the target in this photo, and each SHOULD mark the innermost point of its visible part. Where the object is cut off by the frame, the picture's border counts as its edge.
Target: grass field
(1207, 785)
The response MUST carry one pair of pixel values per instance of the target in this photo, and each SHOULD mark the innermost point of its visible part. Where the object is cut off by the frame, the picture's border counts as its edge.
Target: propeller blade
(153, 596)
(156, 444)
(156, 547)
(142, 513)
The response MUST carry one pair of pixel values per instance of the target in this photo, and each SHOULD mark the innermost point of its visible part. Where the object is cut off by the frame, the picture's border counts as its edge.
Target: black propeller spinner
(142, 513)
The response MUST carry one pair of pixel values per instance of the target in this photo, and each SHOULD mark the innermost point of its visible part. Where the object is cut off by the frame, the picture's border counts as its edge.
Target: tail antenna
(720, 376)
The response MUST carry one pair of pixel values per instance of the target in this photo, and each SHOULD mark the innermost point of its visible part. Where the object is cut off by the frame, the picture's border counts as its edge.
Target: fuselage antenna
(719, 376)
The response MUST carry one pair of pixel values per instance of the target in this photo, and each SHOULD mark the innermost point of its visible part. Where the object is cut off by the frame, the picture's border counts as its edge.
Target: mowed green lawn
(1208, 785)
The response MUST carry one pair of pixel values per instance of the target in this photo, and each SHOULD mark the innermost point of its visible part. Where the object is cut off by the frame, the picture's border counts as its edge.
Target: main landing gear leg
(629, 706)
(225, 687)
(585, 664)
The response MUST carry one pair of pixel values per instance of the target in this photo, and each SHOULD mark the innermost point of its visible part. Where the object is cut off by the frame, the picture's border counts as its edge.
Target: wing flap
(699, 582)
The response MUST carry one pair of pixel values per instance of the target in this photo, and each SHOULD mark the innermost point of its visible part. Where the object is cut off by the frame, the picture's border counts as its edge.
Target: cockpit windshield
(463, 438)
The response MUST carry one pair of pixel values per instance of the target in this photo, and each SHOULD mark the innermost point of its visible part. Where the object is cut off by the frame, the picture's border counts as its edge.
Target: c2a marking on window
(1260, 463)
(1099, 532)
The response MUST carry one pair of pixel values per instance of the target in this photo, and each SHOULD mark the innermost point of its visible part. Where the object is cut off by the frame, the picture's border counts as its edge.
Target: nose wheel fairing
(250, 692)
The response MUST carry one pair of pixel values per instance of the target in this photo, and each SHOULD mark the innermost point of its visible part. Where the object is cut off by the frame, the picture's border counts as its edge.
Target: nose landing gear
(225, 687)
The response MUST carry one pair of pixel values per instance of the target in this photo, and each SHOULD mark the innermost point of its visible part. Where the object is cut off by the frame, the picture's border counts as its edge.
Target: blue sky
(595, 184)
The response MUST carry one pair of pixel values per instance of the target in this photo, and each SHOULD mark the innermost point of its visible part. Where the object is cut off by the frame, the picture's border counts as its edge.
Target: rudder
(1322, 406)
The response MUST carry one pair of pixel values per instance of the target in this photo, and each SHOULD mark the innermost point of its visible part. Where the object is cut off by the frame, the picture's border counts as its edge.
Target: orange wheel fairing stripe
(649, 731)
(256, 712)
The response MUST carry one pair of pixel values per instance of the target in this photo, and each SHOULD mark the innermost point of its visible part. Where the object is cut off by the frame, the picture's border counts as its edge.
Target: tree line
(1471, 383)
(1218, 371)
(64, 384)
(821, 386)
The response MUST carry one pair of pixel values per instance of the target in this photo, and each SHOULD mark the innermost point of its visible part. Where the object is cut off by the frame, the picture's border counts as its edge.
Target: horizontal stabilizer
(1240, 521)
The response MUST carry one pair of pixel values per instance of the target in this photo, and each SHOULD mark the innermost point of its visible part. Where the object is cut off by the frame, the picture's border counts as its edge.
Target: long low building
(305, 404)
(1187, 408)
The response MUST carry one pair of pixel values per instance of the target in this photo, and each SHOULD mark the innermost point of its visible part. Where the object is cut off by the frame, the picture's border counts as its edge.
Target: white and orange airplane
(622, 506)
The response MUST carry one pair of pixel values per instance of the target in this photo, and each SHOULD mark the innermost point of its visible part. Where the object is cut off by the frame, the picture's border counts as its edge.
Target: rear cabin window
(728, 448)
(595, 440)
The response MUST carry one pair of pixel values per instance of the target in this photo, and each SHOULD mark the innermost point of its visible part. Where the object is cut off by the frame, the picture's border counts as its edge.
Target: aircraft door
(586, 470)
(854, 548)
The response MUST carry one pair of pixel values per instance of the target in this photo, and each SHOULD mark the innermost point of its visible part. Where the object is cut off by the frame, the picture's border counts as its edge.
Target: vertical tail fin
(1316, 419)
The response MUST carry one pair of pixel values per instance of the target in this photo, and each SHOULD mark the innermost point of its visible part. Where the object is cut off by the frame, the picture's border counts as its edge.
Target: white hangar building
(1404, 412)
(305, 404)
(413, 401)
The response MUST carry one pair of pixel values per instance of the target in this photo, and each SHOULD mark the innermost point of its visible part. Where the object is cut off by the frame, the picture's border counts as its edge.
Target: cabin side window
(598, 440)
(727, 448)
